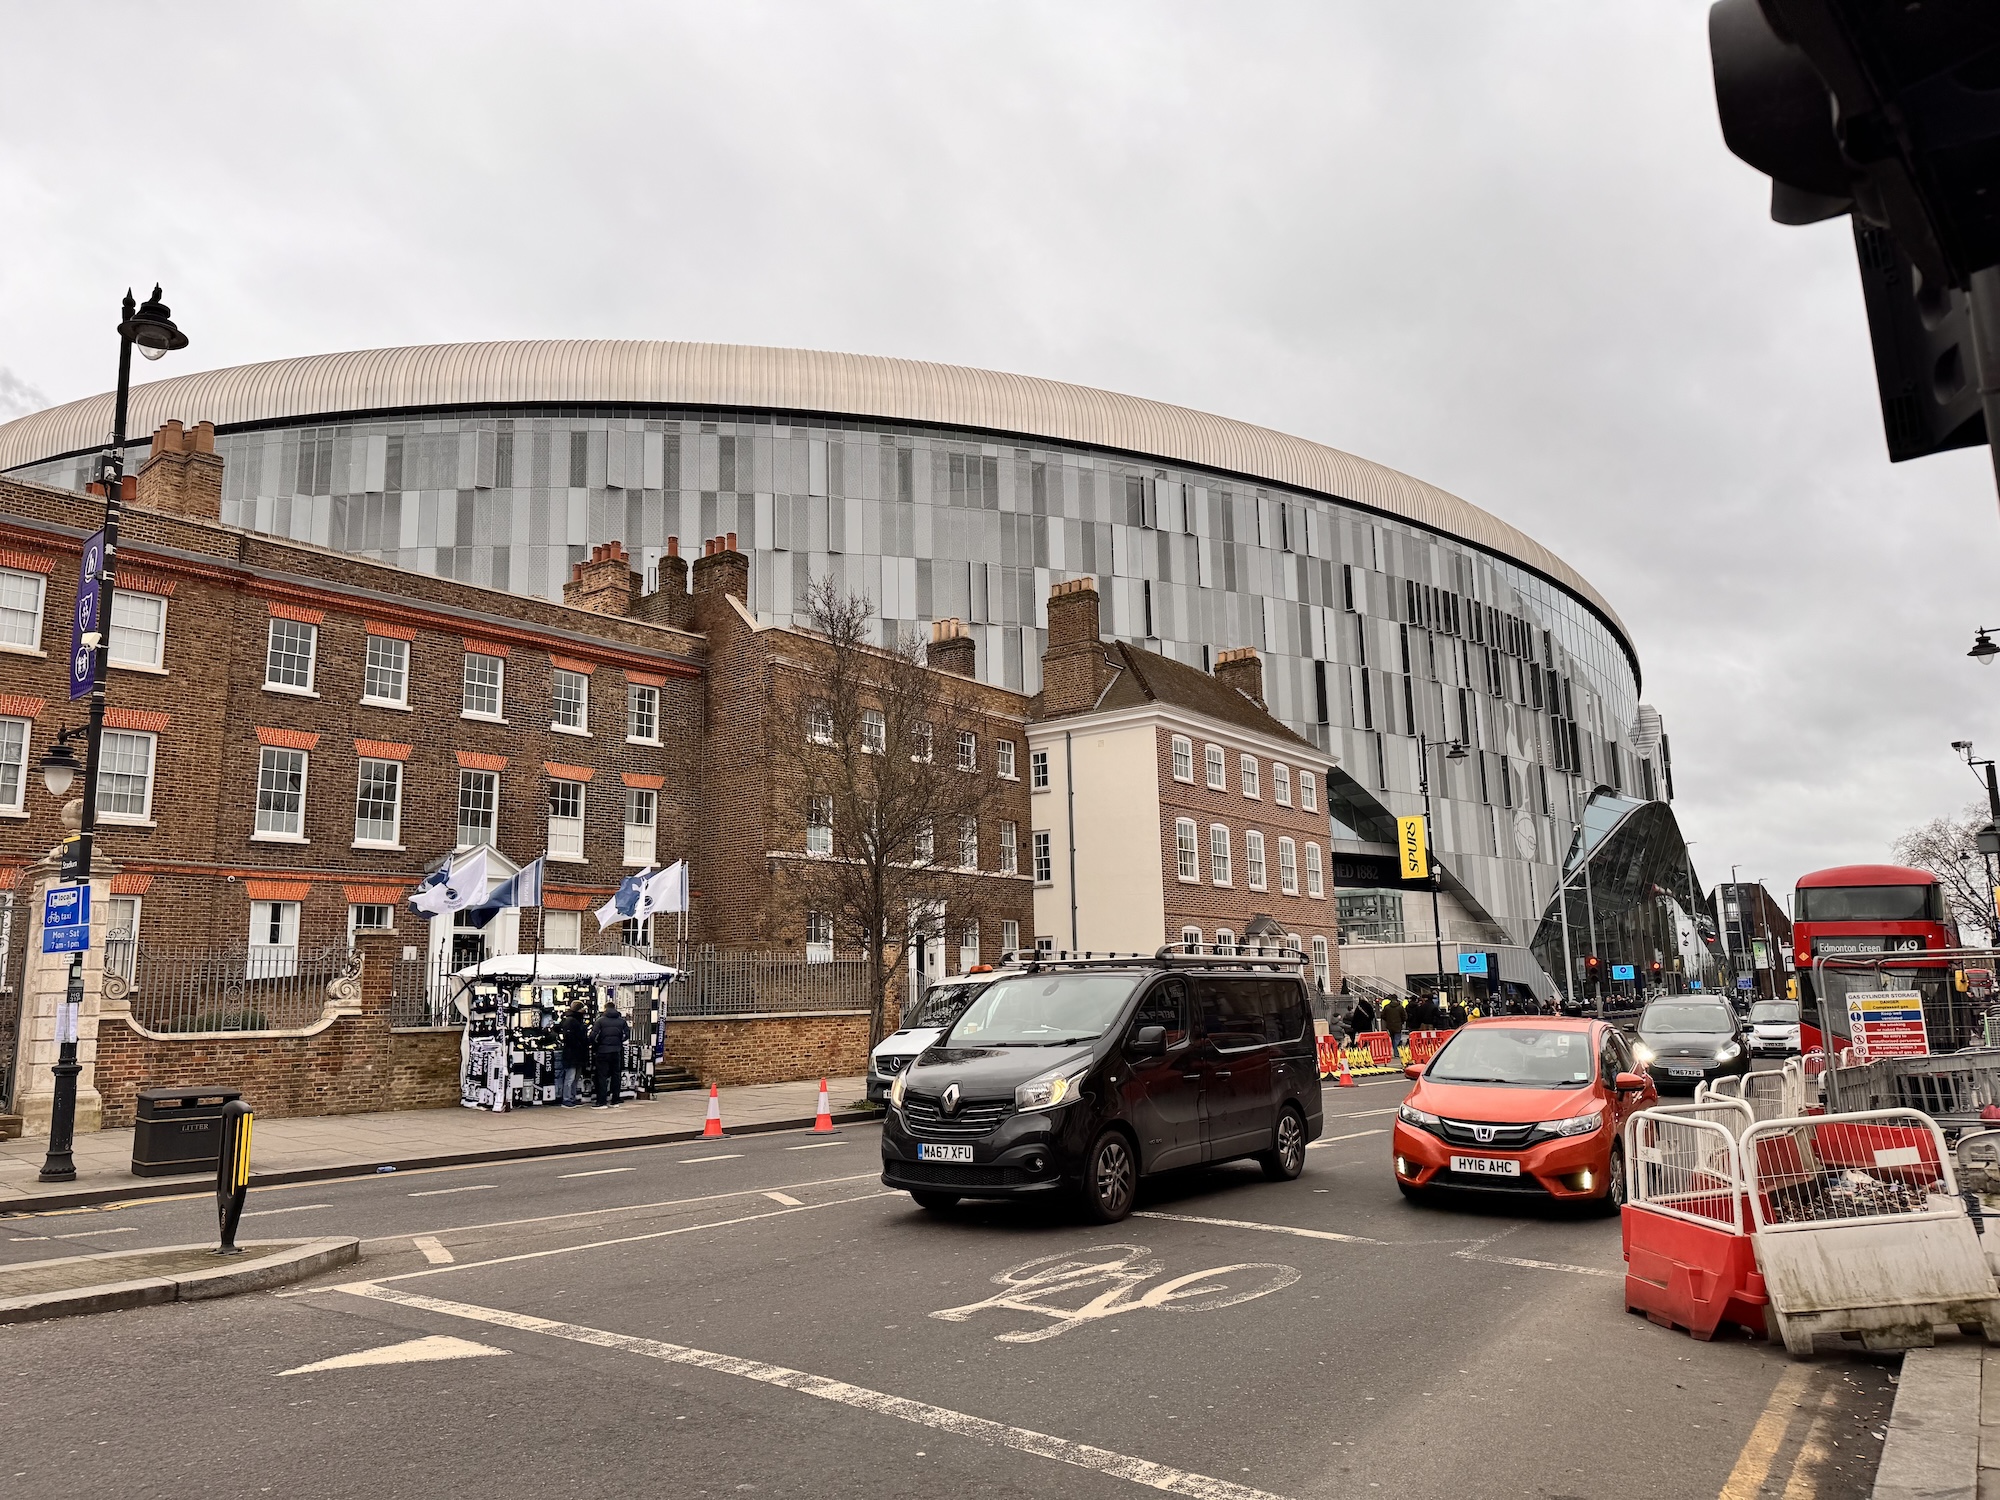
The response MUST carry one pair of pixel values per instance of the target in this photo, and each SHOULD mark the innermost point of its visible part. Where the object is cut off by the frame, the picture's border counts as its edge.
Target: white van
(941, 1005)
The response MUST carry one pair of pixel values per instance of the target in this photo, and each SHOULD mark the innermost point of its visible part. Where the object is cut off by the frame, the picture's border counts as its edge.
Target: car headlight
(1642, 1054)
(1051, 1089)
(1575, 1125)
(1423, 1119)
(1729, 1052)
(896, 1089)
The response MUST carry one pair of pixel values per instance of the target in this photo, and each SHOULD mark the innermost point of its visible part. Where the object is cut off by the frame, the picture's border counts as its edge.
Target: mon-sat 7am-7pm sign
(1887, 1023)
(66, 919)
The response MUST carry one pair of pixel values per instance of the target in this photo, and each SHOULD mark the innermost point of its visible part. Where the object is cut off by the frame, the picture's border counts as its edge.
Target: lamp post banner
(1412, 848)
(84, 620)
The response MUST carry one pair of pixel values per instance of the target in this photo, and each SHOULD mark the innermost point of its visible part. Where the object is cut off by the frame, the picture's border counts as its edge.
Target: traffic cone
(711, 1128)
(1346, 1080)
(823, 1121)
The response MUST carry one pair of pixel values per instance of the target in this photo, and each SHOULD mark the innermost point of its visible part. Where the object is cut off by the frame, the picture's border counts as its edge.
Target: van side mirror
(1148, 1041)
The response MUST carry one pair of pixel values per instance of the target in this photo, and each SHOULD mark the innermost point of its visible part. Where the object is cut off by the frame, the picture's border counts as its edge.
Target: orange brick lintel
(278, 890)
(287, 739)
(472, 760)
(643, 782)
(573, 664)
(645, 679)
(374, 895)
(574, 900)
(131, 885)
(485, 648)
(135, 718)
(389, 631)
(27, 562)
(20, 706)
(146, 581)
(283, 611)
(562, 772)
(381, 750)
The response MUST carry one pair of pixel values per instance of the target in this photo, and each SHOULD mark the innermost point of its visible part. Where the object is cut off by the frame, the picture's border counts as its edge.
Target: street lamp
(1455, 752)
(1983, 650)
(148, 327)
(1989, 836)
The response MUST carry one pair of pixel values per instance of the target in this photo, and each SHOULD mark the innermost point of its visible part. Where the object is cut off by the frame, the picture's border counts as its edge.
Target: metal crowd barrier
(1952, 1088)
(1682, 1160)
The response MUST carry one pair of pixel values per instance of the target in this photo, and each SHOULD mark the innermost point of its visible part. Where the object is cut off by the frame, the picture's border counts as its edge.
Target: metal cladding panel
(651, 372)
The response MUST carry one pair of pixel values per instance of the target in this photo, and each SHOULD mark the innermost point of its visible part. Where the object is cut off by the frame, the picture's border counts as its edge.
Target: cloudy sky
(1497, 245)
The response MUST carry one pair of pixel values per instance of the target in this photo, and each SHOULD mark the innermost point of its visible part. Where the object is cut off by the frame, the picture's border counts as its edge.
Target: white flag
(464, 886)
(625, 900)
(666, 891)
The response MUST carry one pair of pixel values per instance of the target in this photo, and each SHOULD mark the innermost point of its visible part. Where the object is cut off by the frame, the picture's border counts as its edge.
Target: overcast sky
(1497, 245)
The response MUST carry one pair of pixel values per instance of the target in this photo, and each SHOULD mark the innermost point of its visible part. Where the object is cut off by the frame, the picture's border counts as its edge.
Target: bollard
(232, 1172)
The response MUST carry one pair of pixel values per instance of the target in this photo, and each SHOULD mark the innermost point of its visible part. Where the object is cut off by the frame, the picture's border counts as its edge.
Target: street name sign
(66, 919)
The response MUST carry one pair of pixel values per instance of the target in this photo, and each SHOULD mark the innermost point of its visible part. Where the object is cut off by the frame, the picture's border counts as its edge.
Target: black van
(1081, 1076)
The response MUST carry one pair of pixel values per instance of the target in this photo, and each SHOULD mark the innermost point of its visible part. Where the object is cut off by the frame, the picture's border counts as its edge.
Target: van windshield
(944, 1002)
(1043, 1010)
(1515, 1054)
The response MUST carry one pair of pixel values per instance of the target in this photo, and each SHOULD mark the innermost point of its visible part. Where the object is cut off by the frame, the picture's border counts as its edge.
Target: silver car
(1774, 1028)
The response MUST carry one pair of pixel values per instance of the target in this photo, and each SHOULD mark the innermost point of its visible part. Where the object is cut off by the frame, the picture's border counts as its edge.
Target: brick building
(1169, 805)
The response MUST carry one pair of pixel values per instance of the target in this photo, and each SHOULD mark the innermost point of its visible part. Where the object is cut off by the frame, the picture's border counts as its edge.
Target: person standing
(608, 1036)
(1393, 1021)
(572, 1052)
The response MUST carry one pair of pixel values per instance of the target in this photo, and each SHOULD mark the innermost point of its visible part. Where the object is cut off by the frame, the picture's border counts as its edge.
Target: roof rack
(1172, 956)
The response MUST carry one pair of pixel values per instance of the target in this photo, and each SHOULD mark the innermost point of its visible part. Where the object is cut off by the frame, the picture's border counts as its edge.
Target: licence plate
(928, 1152)
(1486, 1166)
(1684, 1072)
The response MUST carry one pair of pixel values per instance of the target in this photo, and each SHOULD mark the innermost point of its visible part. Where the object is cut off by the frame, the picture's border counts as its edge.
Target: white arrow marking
(412, 1352)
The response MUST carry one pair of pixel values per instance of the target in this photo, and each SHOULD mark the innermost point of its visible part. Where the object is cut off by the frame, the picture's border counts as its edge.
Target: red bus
(1862, 910)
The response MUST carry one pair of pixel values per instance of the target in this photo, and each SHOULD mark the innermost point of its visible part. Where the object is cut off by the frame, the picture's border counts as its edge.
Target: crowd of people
(1427, 1012)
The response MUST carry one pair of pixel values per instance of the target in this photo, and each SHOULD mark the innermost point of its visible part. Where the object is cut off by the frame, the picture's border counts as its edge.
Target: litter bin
(178, 1130)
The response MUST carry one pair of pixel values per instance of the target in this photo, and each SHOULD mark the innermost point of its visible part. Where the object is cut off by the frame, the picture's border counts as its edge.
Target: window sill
(1005, 776)
(1037, 791)
(631, 739)
(639, 864)
(289, 692)
(1185, 780)
(581, 734)
(118, 820)
(482, 718)
(279, 838)
(145, 669)
(1189, 879)
(14, 813)
(9, 650)
(388, 703)
(1223, 885)
(373, 844)
(567, 859)
(1261, 890)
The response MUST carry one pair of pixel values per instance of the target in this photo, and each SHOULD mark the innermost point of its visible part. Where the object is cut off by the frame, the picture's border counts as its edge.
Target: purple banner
(82, 660)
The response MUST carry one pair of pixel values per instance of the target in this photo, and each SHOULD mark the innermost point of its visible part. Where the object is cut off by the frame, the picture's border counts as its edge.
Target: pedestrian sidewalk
(298, 1150)
(1944, 1437)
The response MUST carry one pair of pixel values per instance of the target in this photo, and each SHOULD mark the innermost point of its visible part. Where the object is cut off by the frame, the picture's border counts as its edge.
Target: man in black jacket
(573, 1052)
(608, 1036)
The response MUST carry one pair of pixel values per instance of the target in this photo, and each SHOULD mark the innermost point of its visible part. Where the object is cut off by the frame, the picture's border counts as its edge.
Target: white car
(1774, 1028)
(895, 1052)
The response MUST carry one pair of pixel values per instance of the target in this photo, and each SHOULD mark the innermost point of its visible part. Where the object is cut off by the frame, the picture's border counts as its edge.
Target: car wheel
(1614, 1180)
(1287, 1158)
(937, 1203)
(1110, 1178)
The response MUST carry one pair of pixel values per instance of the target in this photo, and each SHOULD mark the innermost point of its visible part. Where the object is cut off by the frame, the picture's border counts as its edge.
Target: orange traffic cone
(823, 1121)
(1346, 1080)
(712, 1127)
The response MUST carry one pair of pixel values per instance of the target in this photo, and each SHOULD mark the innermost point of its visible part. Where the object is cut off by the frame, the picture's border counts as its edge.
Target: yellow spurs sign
(1411, 844)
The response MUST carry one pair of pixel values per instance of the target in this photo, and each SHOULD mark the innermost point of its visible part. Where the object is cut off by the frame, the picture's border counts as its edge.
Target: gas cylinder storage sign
(1887, 1023)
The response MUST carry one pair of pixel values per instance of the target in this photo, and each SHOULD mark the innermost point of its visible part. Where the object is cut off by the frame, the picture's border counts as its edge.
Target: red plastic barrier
(1329, 1056)
(1692, 1276)
(1907, 1152)
(1424, 1045)
(1380, 1052)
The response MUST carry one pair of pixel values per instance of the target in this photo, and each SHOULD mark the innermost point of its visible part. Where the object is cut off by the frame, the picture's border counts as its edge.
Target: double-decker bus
(1864, 910)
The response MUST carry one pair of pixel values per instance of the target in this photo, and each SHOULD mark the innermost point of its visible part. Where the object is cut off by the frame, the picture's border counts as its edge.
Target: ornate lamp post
(1455, 752)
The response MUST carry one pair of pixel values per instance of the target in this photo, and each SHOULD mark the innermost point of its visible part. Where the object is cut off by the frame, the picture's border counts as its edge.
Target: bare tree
(1949, 849)
(892, 824)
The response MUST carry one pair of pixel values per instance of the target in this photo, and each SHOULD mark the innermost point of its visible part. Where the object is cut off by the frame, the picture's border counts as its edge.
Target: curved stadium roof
(551, 372)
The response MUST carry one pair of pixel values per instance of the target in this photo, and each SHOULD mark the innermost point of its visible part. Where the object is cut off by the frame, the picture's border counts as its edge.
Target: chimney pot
(673, 546)
(732, 541)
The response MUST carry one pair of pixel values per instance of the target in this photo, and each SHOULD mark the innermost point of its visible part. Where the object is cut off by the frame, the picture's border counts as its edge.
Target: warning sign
(1887, 1023)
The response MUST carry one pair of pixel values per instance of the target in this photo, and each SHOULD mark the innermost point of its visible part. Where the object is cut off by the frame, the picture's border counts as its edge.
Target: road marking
(939, 1418)
(1304, 1234)
(785, 1198)
(296, 1208)
(434, 1250)
(477, 1187)
(1362, 1114)
(688, 1161)
(1328, 1140)
(84, 1234)
(600, 1172)
(1813, 1452)
(815, 1145)
(1122, 1270)
(1746, 1480)
(415, 1351)
(1534, 1265)
(635, 1239)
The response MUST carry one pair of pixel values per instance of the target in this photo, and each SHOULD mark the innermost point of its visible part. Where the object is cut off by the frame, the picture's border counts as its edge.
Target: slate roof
(1145, 677)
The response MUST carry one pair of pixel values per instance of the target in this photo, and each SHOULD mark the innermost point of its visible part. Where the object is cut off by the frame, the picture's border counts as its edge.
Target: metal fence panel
(1876, 1165)
(1678, 1162)
(175, 989)
(422, 996)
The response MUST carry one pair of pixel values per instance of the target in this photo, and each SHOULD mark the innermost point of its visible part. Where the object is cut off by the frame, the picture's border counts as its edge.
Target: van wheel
(937, 1203)
(1287, 1158)
(1110, 1179)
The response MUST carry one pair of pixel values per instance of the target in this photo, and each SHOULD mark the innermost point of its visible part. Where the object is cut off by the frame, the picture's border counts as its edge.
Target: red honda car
(1528, 1105)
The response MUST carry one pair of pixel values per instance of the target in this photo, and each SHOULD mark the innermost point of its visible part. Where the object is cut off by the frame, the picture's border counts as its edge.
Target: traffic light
(1593, 967)
(1888, 113)
(1791, 989)
(1658, 968)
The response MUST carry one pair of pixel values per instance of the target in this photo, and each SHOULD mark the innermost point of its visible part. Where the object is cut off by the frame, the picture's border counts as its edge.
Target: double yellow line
(1760, 1450)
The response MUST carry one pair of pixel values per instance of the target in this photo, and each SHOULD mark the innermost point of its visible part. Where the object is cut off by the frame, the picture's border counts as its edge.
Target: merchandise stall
(513, 1004)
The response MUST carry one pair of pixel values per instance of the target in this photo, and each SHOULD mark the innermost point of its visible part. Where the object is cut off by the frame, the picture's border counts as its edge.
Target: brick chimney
(183, 474)
(1075, 670)
(668, 604)
(1243, 670)
(605, 584)
(719, 572)
(952, 649)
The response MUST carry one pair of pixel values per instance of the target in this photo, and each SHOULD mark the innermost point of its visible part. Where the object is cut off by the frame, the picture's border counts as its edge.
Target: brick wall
(776, 1049)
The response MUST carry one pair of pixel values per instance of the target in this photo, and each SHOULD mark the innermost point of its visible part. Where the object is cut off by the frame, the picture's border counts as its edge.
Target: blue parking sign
(66, 919)
(1472, 963)
(1745, 982)
(1623, 971)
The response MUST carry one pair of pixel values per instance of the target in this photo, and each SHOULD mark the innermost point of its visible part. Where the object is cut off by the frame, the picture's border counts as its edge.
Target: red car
(1530, 1105)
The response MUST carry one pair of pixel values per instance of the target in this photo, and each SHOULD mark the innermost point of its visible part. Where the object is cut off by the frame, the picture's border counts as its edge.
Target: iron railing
(188, 989)
(421, 996)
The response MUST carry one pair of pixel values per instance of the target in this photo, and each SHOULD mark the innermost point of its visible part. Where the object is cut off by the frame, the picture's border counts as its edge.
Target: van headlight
(1575, 1125)
(1051, 1089)
(896, 1089)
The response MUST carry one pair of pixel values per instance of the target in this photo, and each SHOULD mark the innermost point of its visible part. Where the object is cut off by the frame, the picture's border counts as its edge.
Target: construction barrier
(1381, 1054)
(1424, 1045)
(1689, 1263)
(1362, 1059)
